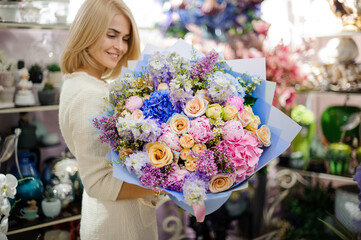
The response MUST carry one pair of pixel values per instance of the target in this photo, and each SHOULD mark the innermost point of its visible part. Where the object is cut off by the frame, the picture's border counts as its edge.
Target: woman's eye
(111, 36)
(126, 39)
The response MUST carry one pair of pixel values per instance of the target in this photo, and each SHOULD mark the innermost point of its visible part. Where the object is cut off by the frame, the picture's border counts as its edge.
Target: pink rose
(232, 131)
(196, 107)
(170, 139)
(236, 101)
(201, 130)
(133, 103)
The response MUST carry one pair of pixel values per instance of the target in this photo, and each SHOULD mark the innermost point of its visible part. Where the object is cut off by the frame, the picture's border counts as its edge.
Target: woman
(102, 38)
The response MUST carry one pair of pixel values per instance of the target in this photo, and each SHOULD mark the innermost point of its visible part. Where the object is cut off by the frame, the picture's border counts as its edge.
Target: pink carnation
(133, 103)
(170, 139)
(232, 131)
(245, 154)
(201, 130)
(235, 101)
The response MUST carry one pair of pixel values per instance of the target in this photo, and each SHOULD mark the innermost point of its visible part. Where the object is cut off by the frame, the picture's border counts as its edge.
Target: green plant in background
(5, 63)
(339, 156)
(48, 86)
(54, 67)
(36, 68)
(302, 209)
(340, 230)
(302, 141)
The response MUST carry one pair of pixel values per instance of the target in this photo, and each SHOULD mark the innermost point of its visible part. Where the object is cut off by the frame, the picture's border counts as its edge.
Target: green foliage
(303, 207)
(35, 69)
(53, 67)
(48, 86)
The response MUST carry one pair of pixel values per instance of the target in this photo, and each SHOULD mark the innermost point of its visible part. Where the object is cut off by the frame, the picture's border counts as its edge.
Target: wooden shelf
(16, 25)
(45, 224)
(29, 109)
(324, 176)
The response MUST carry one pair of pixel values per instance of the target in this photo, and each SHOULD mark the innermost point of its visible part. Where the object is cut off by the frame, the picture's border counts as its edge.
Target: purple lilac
(222, 157)
(151, 177)
(202, 68)
(108, 131)
(357, 178)
(206, 163)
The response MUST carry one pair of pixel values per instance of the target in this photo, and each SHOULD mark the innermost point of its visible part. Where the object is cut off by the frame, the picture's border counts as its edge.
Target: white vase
(347, 207)
(51, 208)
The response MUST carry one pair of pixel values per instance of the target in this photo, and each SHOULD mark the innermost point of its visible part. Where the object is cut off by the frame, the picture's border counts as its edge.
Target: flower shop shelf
(29, 226)
(29, 109)
(319, 175)
(15, 25)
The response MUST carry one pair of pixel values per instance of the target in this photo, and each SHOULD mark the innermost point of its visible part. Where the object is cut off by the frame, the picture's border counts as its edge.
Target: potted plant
(47, 94)
(50, 205)
(36, 74)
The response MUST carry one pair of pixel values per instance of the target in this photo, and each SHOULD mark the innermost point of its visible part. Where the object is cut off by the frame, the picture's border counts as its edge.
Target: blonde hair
(88, 28)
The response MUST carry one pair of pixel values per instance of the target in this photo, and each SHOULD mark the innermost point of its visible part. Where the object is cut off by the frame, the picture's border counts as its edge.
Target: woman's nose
(121, 45)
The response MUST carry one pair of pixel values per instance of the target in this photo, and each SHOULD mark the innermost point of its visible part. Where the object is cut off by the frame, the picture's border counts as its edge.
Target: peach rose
(203, 93)
(198, 147)
(220, 183)
(184, 154)
(179, 123)
(253, 125)
(124, 152)
(264, 135)
(146, 97)
(163, 86)
(196, 107)
(125, 114)
(159, 154)
(245, 116)
(186, 141)
(137, 114)
(191, 164)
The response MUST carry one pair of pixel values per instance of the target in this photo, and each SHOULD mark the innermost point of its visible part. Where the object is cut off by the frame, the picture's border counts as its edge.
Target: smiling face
(112, 46)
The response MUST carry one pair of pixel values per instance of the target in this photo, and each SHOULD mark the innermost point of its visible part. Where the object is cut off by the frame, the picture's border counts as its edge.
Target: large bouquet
(192, 125)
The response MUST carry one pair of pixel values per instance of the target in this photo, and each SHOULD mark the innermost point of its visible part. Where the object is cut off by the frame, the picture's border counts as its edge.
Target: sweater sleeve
(94, 168)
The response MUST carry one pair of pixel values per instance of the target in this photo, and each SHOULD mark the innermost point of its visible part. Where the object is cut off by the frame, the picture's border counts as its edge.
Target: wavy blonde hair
(88, 28)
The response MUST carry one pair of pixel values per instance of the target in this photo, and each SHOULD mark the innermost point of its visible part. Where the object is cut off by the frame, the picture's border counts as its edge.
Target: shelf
(33, 26)
(323, 176)
(29, 109)
(45, 224)
(337, 34)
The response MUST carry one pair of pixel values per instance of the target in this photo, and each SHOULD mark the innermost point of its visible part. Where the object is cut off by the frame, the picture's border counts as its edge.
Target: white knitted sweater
(103, 217)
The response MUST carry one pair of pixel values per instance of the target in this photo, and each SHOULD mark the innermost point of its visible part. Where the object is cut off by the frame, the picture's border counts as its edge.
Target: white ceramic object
(7, 97)
(51, 208)
(50, 139)
(24, 98)
(346, 207)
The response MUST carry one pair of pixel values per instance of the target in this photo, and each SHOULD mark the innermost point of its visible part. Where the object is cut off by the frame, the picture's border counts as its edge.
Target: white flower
(4, 227)
(8, 185)
(5, 207)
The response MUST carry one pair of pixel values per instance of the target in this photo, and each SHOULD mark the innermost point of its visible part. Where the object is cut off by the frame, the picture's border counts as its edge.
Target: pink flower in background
(232, 131)
(236, 101)
(133, 103)
(201, 130)
(261, 27)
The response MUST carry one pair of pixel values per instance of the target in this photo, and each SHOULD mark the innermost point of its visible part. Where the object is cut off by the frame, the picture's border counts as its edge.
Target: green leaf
(340, 234)
(249, 100)
(344, 229)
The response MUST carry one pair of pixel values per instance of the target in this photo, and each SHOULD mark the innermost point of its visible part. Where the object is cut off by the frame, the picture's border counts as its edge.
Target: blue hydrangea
(158, 106)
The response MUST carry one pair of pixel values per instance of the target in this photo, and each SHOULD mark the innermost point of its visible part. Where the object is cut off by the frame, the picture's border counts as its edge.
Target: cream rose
(186, 141)
(191, 164)
(203, 93)
(214, 111)
(179, 124)
(184, 154)
(159, 154)
(220, 183)
(253, 125)
(137, 114)
(196, 107)
(198, 147)
(264, 135)
(163, 86)
(230, 112)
